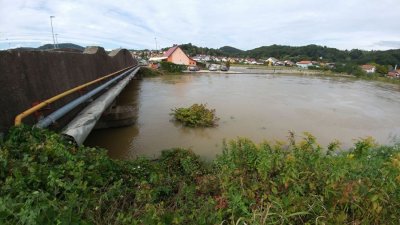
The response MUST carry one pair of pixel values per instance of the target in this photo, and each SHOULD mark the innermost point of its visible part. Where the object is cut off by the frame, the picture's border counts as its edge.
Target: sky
(244, 24)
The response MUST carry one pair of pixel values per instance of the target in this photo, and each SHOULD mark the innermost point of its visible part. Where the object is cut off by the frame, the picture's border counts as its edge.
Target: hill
(228, 50)
(316, 52)
(193, 50)
(62, 45)
(298, 53)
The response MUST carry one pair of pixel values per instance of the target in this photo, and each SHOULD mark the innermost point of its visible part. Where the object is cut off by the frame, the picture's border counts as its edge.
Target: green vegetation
(309, 52)
(196, 115)
(149, 72)
(170, 67)
(46, 180)
(231, 51)
(350, 68)
(62, 45)
(193, 50)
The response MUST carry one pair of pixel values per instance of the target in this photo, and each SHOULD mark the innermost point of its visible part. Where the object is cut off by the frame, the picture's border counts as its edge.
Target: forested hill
(231, 51)
(62, 45)
(309, 52)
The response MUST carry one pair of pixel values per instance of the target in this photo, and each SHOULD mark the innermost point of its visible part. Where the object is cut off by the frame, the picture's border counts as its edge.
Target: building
(394, 74)
(271, 61)
(289, 63)
(304, 64)
(177, 56)
(368, 68)
(174, 55)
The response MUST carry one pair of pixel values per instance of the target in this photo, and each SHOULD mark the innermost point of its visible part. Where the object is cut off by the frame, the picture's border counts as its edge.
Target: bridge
(77, 108)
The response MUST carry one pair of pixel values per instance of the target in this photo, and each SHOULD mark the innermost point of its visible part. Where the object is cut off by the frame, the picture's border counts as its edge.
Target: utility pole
(155, 39)
(52, 30)
(57, 41)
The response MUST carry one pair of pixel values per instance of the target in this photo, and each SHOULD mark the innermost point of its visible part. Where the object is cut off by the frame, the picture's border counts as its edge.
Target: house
(271, 61)
(288, 63)
(154, 62)
(368, 68)
(394, 74)
(304, 64)
(177, 56)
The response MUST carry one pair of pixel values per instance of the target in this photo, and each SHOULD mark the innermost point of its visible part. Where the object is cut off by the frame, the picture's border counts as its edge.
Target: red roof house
(304, 64)
(177, 56)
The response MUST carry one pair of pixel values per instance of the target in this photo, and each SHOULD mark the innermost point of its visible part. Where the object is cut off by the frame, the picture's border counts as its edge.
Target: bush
(46, 180)
(171, 67)
(301, 183)
(196, 115)
(148, 72)
(350, 68)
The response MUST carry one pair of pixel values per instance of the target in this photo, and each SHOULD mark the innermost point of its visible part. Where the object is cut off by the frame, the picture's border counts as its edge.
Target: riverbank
(215, 72)
(46, 180)
(260, 69)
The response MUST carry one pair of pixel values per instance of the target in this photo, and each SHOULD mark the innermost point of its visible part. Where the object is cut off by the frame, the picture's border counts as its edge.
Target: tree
(381, 69)
(228, 64)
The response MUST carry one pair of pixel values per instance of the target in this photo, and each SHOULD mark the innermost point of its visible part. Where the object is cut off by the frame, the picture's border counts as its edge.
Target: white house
(304, 64)
(368, 68)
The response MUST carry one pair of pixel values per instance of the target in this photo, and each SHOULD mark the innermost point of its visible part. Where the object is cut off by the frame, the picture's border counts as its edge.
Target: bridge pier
(117, 116)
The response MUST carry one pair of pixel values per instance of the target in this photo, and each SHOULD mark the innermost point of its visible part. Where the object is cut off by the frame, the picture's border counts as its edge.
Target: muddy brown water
(257, 106)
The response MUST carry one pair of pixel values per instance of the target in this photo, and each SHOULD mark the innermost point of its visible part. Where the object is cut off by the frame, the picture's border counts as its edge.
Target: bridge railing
(32, 110)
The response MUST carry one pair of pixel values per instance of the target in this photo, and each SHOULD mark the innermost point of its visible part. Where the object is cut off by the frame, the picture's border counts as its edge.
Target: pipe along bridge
(83, 123)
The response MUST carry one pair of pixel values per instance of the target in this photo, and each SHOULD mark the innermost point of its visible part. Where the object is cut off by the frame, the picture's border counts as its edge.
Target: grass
(46, 180)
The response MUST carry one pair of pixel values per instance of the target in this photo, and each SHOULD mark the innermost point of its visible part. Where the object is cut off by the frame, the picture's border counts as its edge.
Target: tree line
(309, 52)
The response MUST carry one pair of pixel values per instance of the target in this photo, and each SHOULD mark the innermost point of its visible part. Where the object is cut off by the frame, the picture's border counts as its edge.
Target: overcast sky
(247, 24)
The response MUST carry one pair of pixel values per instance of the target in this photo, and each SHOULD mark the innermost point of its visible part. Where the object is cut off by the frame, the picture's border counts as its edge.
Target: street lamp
(52, 31)
(57, 41)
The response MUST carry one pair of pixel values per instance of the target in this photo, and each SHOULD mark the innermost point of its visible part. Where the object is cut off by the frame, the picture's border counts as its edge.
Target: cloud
(388, 44)
(343, 24)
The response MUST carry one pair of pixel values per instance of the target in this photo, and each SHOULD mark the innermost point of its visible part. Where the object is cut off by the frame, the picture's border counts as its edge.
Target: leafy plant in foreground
(46, 180)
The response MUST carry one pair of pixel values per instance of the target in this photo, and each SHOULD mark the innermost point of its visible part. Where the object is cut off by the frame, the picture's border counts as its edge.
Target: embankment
(29, 77)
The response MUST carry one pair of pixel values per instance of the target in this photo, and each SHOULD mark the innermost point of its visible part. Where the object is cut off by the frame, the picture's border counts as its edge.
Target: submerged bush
(46, 180)
(196, 115)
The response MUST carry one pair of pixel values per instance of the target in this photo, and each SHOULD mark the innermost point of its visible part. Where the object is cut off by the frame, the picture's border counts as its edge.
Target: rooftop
(171, 50)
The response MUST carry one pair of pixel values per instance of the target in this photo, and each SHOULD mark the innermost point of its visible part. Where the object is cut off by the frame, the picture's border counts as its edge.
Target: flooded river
(257, 106)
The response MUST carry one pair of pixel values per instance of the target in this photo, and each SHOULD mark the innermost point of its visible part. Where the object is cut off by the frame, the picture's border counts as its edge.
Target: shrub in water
(196, 115)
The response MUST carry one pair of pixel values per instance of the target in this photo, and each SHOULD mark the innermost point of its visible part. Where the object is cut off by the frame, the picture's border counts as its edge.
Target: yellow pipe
(20, 117)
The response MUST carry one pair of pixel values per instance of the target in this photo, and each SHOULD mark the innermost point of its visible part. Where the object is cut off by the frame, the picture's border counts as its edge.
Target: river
(256, 106)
